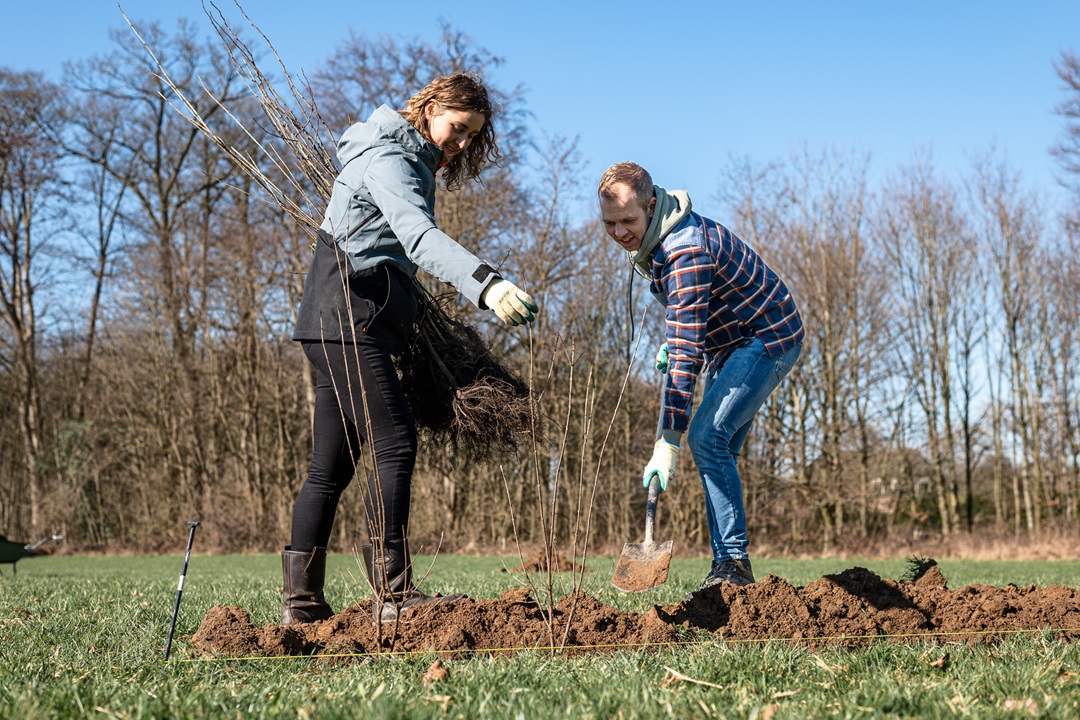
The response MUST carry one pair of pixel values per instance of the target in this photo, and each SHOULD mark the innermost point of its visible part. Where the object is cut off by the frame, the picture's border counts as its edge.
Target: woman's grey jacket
(379, 226)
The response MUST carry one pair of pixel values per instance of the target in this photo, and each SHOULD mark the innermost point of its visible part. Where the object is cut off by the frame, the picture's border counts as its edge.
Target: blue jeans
(736, 386)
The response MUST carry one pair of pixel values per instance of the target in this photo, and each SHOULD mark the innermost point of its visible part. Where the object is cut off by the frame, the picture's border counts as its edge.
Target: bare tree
(103, 198)
(826, 231)
(1009, 233)
(760, 198)
(172, 179)
(1064, 316)
(970, 336)
(1067, 152)
(182, 389)
(809, 217)
(1067, 149)
(1053, 381)
(29, 185)
(929, 245)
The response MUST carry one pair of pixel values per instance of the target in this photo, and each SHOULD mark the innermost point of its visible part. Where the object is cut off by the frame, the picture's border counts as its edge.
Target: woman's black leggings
(358, 396)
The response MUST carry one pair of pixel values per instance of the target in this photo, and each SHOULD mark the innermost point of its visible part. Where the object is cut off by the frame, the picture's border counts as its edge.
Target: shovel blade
(642, 566)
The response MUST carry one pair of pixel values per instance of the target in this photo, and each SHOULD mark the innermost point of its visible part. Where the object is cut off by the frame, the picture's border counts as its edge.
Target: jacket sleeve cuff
(672, 437)
(485, 275)
(674, 422)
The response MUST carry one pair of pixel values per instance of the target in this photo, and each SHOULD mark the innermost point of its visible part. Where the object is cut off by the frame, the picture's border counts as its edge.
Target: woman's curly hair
(458, 91)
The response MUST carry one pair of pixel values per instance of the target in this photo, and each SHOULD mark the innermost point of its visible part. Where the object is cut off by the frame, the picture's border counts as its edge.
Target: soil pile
(512, 622)
(851, 608)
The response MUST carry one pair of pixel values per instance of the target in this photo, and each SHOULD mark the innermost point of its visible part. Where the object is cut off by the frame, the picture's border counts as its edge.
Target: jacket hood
(671, 207)
(383, 127)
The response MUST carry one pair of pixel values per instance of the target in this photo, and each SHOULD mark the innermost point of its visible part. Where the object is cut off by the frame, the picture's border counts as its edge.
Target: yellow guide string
(627, 646)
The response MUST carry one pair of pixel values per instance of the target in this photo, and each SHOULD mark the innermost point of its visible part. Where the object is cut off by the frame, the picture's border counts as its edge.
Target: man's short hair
(632, 175)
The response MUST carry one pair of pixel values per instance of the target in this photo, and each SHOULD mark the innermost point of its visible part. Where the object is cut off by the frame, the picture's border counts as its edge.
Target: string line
(723, 641)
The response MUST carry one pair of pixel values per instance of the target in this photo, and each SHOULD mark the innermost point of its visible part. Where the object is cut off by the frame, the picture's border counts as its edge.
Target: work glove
(513, 305)
(662, 464)
(662, 359)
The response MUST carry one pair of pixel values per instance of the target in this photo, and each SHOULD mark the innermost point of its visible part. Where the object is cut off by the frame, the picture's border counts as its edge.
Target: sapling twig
(460, 394)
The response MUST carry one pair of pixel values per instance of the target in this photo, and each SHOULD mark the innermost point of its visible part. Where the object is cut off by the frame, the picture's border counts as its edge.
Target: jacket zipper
(360, 225)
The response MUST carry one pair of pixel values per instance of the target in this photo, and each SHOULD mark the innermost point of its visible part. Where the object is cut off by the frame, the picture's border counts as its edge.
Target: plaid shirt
(718, 292)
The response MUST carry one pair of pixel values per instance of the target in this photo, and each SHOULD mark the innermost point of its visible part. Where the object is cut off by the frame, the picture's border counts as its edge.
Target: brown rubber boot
(303, 575)
(390, 574)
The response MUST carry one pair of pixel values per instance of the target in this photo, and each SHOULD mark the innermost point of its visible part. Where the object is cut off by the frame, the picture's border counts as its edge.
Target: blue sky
(680, 87)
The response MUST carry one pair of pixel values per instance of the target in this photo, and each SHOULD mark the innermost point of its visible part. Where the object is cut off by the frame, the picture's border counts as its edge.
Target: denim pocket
(783, 367)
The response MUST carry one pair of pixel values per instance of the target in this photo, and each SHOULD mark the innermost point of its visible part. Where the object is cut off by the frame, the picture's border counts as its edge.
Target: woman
(357, 313)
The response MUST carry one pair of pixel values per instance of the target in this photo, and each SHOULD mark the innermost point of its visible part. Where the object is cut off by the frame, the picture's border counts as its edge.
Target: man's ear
(652, 207)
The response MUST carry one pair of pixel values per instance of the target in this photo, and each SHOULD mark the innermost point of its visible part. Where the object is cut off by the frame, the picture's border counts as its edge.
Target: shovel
(643, 566)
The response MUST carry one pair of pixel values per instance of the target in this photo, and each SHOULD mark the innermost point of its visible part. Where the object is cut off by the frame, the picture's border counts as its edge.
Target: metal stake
(180, 588)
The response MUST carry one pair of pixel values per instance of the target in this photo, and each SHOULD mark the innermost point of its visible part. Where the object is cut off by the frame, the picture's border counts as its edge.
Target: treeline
(148, 291)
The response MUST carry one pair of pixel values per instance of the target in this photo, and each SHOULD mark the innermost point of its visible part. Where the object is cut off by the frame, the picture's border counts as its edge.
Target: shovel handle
(650, 508)
(654, 483)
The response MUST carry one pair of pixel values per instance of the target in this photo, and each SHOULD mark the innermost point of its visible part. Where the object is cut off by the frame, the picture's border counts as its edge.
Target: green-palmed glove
(662, 359)
(513, 305)
(662, 463)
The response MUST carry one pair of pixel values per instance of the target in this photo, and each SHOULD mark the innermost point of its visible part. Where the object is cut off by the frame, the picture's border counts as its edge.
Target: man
(730, 317)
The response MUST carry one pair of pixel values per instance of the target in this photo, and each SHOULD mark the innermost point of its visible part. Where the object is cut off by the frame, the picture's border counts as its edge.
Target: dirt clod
(851, 608)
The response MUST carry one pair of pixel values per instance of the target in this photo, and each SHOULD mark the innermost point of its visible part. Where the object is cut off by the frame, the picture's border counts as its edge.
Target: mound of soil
(851, 608)
(539, 563)
(512, 622)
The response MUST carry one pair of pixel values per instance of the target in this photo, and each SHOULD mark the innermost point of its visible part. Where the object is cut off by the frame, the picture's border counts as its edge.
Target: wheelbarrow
(13, 552)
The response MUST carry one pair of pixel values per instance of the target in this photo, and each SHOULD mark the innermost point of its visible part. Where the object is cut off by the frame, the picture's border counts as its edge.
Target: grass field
(85, 637)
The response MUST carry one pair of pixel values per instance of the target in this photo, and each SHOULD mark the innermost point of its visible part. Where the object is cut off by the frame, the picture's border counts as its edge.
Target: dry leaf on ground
(435, 673)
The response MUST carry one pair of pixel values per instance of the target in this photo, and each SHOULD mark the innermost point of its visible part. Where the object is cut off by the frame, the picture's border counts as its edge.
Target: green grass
(84, 636)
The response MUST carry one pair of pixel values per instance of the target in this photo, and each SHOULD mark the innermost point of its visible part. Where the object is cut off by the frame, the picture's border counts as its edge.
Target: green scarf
(671, 208)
